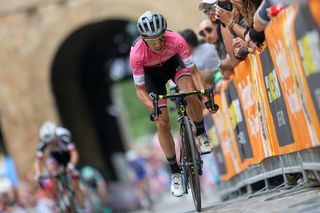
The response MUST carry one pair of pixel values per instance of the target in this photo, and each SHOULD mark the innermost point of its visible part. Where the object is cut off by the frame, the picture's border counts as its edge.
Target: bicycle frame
(190, 159)
(64, 194)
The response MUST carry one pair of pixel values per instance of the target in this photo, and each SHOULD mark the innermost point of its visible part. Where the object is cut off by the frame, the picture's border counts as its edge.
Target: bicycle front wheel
(194, 160)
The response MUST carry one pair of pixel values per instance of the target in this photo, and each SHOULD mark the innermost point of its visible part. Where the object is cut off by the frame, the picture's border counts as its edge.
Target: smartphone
(225, 5)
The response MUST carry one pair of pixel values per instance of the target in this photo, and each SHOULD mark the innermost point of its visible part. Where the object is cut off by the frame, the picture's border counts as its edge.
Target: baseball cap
(206, 1)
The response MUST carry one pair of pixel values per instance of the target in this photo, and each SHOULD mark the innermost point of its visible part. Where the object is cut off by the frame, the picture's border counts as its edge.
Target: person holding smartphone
(229, 62)
(240, 20)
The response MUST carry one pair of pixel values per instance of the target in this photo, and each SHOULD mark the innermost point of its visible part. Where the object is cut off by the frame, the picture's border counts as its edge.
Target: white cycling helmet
(47, 131)
(151, 24)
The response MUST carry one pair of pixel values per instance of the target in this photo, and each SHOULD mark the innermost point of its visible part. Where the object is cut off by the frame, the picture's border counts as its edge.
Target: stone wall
(31, 31)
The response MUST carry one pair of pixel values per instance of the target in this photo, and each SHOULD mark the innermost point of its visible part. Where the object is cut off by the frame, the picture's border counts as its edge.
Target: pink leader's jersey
(142, 56)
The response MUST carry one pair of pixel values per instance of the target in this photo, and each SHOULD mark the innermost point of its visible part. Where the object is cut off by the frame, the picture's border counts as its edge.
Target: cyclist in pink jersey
(156, 57)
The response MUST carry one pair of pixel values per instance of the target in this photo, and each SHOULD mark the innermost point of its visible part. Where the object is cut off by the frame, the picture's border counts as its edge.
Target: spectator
(139, 176)
(96, 190)
(230, 61)
(266, 10)
(207, 29)
(205, 57)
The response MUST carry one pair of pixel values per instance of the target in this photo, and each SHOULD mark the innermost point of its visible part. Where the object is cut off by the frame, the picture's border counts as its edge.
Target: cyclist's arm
(39, 162)
(38, 166)
(143, 96)
(136, 65)
(65, 137)
(74, 157)
(183, 49)
(197, 77)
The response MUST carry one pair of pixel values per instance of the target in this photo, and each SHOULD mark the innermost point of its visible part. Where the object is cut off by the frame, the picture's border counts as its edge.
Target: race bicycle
(62, 191)
(190, 158)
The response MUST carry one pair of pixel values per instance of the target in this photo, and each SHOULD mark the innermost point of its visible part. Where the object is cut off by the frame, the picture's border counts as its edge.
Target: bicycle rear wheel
(193, 170)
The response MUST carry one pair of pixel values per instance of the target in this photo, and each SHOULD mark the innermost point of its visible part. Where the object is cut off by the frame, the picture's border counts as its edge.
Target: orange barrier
(226, 138)
(272, 104)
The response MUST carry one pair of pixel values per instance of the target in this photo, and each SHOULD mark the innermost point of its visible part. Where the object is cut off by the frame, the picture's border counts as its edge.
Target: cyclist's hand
(70, 167)
(40, 179)
(37, 176)
(212, 108)
(154, 116)
(72, 170)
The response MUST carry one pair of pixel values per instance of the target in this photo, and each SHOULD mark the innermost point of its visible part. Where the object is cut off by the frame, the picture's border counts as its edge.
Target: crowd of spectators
(236, 29)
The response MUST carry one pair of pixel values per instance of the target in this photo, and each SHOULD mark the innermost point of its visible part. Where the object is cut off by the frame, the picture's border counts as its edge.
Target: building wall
(31, 33)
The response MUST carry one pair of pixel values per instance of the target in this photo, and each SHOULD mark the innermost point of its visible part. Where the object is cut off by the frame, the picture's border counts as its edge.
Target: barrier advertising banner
(279, 40)
(271, 106)
(306, 50)
(247, 82)
(226, 137)
(280, 117)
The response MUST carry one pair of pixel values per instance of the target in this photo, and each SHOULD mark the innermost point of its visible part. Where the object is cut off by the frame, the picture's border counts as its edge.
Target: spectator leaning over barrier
(208, 8)
(230, 62)
(238, 18)
(207, 30)
(205, 57)
(262, 17)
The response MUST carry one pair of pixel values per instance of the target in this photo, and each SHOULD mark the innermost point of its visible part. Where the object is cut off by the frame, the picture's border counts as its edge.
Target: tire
(66, 198)
(184, 149)
(193, 170)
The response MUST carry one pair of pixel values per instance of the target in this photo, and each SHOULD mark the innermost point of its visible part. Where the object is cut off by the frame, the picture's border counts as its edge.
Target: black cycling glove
(209, 106)
(154, 114)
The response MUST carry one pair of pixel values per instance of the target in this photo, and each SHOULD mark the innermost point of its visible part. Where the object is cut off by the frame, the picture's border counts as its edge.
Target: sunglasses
(154, 41)
(206, 29)
(211, 8)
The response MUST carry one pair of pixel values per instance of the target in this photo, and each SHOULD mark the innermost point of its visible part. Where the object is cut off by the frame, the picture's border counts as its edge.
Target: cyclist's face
(156, 44)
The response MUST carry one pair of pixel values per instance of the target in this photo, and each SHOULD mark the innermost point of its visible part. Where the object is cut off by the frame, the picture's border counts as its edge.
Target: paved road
(296, 200)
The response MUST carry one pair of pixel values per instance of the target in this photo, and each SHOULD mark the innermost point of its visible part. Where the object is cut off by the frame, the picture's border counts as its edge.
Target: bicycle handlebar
(155, 98)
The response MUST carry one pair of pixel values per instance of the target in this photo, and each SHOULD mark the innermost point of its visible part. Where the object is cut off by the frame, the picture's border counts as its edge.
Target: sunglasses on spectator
(206, 29)
(153, 41)
(211, 8)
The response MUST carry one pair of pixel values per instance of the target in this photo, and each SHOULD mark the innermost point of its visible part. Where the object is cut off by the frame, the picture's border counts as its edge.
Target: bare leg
(164, 133)
(194, 106)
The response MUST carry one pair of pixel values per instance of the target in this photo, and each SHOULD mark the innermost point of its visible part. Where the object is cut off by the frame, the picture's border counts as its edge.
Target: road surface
(296, 200)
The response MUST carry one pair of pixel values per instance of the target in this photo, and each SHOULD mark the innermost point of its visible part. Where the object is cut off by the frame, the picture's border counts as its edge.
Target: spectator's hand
(240, 48)
(252, 46)
(239, 43)
(225, 16)
(227, 74)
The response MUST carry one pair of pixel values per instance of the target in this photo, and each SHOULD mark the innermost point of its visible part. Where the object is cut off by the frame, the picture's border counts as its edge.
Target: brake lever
(155, 112)
(215, 107)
